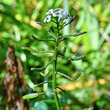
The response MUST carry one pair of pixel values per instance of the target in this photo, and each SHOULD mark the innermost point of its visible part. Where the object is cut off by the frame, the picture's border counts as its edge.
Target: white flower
(60, 13)
(49, 12)
(65, 21)
(47, 19)
(57, 14)
(64, 13)
(58, 10)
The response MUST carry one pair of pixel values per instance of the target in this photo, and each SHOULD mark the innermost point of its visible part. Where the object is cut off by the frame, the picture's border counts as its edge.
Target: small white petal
(60, 16)
(49, 12)
(47, 19)
(65, 21)
(58, 9)
(65, 14)
(56, 14)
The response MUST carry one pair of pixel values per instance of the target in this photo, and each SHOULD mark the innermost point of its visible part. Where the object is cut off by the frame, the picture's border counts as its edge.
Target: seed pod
(39, 69)
(30, 96)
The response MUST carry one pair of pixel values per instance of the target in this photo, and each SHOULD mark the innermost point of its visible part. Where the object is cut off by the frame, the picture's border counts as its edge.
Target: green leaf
(76, 76)
(30, 49)
(30, 96)
(39, 69)
(38, 39)
(41, 105)
(81, 20)
(102, 39)
(33, 95)
(73, 58)
(66, 29)
(64, 50)
(52, 34)
(78, 34)
(65, 37)
(65, 75)
(74, 35)
(30, 83)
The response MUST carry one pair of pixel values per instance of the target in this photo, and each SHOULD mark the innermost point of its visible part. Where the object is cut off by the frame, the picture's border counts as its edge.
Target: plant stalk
(54, 72)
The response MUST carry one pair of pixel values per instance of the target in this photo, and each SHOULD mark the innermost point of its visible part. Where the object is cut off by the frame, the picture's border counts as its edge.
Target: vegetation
(21, 50)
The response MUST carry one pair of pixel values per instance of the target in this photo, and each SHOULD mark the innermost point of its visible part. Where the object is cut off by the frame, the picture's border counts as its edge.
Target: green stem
(42, 83)
(54, 72)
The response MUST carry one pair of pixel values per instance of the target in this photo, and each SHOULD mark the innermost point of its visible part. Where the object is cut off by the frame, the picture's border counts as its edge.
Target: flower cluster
(58, 13)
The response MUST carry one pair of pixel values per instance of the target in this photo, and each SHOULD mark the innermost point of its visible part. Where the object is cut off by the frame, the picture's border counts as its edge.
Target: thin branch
(41, 84)
(68, 22)
(65, 37)
(77, 34)
(38, 39)
(52, 35)
(42, 68)
(64, 75)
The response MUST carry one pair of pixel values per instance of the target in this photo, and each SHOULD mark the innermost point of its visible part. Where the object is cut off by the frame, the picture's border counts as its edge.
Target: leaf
(52, 34)
(80, 33)
(64, 50)
(30, 49)
(65, 37)
(52, 29)
(76, 76)
(38, 39)
(65, 75)
(74, 57)
(61, 51)
(66, 29)
(93, 32)
(30, 96)
(74, 35)
(41, 23)
(30, 83)
(81, 20)
(39, 69)
(41, 105)
(33, 95)
(102, 39)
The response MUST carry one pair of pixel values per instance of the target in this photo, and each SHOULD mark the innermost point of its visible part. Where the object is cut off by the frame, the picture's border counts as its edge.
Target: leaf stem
(54, 70)
(42, 83)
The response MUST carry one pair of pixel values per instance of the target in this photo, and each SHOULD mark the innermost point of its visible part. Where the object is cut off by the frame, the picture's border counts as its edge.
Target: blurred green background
(18, 22)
